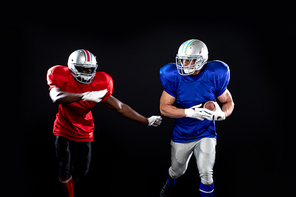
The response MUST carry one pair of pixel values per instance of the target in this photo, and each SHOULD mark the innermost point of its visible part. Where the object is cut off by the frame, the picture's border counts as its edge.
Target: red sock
(68, 185)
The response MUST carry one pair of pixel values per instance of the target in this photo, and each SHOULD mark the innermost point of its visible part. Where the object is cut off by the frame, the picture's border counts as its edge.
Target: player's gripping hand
(196, 112)
(95, 96)
(154, 121)
(217, 115)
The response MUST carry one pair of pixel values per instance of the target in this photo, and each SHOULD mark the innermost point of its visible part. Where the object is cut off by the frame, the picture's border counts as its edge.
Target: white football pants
(204, 152)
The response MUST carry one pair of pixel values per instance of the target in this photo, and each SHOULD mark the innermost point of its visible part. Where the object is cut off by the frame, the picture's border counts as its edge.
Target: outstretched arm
(59, 96)
(124, 110)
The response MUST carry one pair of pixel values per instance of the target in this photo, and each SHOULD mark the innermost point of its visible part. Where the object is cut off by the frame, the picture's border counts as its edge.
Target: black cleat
(167, 191)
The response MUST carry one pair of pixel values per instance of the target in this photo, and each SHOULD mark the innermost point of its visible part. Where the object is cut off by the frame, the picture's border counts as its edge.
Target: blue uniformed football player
(188, 84)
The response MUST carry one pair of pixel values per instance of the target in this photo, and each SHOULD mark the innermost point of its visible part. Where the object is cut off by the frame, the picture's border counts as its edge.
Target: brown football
(210, 105)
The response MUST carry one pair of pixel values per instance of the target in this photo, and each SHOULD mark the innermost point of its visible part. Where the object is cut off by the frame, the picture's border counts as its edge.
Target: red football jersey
(75, 121)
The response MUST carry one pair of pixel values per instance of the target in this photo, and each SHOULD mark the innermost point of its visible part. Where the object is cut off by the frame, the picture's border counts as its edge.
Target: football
(210, 105)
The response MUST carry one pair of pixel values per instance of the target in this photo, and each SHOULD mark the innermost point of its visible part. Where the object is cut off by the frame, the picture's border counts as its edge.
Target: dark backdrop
(254, 150)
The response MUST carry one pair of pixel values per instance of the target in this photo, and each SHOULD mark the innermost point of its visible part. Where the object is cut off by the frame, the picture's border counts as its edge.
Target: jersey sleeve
(55, 77)
(222, 78)
(109, 87)
(103, 81)
(167, 80)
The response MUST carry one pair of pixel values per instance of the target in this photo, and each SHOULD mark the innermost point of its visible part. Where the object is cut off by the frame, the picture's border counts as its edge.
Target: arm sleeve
(168, 85)
(51, 78)
(222, 81)
(109, 87)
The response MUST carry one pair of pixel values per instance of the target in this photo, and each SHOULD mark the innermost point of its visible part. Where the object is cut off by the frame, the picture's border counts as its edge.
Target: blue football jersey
(189, 91)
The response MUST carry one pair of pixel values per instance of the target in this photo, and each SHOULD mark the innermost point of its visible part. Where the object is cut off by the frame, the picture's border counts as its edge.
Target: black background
(254, 147)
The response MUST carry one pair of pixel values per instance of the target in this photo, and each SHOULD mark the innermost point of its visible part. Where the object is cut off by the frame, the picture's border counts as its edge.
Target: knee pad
(208, 145)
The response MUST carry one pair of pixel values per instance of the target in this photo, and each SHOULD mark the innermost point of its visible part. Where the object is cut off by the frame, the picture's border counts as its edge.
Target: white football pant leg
(180, 156)
(205, 153)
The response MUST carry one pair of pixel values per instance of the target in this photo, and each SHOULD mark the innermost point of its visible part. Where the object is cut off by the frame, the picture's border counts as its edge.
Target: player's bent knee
(176, 173)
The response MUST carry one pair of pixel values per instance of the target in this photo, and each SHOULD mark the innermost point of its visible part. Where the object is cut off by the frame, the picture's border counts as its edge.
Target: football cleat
(167, 190)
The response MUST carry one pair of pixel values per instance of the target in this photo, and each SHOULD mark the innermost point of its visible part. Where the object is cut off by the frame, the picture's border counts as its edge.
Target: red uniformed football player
(77, 88)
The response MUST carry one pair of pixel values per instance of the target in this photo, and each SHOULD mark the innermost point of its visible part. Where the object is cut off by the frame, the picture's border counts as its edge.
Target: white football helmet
(84, 59)
(196, 52)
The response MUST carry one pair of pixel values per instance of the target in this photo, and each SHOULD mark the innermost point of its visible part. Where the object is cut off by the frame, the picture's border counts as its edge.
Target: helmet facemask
(195, 63)
(84, 77)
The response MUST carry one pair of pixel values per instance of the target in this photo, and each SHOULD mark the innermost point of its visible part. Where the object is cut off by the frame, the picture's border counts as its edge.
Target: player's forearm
(61, 97)
(171, 111)
(124, 110)
(127, 112)
(69, 98)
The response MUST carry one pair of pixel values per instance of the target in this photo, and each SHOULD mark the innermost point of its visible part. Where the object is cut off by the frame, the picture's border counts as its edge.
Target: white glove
(95, 96)
(195, 112)
(154, 121)
(217, 115)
